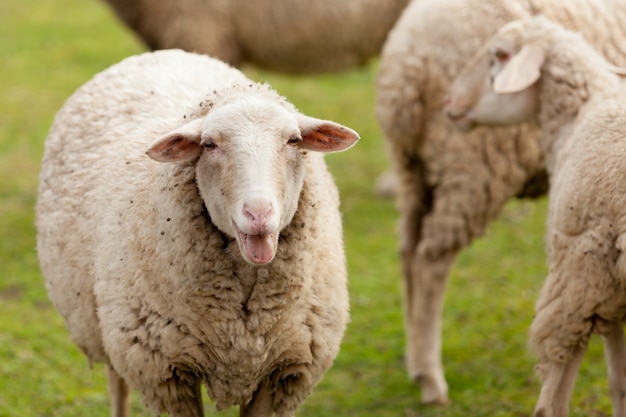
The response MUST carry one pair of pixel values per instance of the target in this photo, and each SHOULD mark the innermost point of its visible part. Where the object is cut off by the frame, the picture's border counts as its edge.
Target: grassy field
(48, 48)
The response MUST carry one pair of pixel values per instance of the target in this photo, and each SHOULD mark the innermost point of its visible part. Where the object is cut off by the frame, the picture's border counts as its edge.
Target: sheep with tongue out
(261, 153)
(215, 260)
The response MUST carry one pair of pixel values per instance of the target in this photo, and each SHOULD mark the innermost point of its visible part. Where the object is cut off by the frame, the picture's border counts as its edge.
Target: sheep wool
(451, 184)
(217, 258)
(290, 36)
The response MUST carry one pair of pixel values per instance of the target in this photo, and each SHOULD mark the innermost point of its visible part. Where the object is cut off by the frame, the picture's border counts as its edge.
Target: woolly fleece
(143, 278)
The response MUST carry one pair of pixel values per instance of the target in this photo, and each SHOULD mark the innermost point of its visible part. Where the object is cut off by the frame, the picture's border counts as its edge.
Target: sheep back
(290, 36)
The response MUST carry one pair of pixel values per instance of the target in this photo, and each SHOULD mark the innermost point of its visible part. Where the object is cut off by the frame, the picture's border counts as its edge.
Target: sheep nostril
(258, 213)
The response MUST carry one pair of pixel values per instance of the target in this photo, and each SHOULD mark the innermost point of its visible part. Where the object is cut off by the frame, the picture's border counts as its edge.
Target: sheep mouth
(461, 120)
(258, 249)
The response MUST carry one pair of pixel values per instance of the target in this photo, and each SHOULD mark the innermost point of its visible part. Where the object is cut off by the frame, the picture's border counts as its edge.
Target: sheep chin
(257, 249)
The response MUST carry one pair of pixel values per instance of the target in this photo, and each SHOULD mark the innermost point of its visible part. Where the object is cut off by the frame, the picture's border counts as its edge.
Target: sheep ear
(521, 71)
(324, 135)
(180, 145)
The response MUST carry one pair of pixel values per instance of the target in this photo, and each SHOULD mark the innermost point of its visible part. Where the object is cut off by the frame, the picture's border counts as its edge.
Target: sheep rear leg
(261, 403)
(557, 385)
(118, 393)
(424, 290)
(615, 353)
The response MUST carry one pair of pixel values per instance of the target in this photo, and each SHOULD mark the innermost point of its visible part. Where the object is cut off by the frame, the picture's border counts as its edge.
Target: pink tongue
(259, 248)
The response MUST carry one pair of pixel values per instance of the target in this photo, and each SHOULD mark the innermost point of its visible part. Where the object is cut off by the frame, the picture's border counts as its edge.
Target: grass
(50, 48)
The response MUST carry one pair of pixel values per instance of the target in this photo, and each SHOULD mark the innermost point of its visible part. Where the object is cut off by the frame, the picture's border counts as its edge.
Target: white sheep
(535, 69)
(450, 184)
(217, 258)
(292, 36)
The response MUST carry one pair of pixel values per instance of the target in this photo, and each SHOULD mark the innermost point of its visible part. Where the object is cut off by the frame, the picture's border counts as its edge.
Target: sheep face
(499, 85)
(249, 157)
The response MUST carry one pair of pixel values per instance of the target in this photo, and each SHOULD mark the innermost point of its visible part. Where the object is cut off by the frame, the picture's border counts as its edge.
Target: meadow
(49, 48)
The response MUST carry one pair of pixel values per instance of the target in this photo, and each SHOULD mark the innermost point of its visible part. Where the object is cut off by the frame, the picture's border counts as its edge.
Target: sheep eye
(501, 55)
(209, 145)
(294, 140)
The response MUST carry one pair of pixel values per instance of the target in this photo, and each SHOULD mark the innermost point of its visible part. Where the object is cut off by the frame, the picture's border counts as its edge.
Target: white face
(251, 173)
(473, 100)
(249, 166)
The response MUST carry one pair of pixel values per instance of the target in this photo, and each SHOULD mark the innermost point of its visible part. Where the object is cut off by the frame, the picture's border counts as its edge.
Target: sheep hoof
(434, 390)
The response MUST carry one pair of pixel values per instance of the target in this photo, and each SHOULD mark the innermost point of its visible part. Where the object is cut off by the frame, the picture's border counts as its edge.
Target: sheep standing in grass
(286, 35)
(216, 258)
(534, 69)
(450, 185)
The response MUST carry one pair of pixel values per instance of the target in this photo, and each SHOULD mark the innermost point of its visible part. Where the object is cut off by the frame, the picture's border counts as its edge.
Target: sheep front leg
(424, 289)
(557, 384)
(197, 390)
(118, 393)
(261, 403)
(178, 396)
(615, 353)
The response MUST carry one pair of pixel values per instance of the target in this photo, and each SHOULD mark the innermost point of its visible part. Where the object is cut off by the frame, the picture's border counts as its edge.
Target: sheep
(216, 258)
(449, 184)
(535, 70)
(289, 36)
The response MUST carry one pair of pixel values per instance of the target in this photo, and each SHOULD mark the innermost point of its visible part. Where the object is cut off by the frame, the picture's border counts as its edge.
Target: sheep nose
(258, 213)
(453, 109)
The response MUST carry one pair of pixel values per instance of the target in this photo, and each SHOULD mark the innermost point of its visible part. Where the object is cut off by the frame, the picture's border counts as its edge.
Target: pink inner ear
(179, 145)
(328, 138)
(171, 148)
(175, 148)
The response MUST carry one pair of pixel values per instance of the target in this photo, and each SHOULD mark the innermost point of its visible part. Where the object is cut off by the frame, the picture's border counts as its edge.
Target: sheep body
(290, 36)
(579, 106)
(450, 184)
(139, 256)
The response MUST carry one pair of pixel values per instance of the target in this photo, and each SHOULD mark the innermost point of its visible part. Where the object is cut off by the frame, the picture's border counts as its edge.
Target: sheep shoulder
(586, 231)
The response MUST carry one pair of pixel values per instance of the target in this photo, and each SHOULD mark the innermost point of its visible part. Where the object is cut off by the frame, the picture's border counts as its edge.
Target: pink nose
(258, 214)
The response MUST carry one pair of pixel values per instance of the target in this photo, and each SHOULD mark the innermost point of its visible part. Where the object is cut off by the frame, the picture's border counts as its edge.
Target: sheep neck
(570, 83)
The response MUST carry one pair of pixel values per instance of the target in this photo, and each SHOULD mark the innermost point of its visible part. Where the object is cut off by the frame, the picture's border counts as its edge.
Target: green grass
(50, 48)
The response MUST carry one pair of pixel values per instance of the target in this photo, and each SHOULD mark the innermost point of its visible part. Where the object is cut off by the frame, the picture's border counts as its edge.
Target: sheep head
(499, 85)
(250, 167)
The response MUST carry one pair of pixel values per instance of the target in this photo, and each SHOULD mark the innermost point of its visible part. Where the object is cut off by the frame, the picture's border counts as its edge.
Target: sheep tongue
(259, 248)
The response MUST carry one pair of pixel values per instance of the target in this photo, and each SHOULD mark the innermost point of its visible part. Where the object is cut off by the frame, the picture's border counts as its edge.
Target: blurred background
(49, 48)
